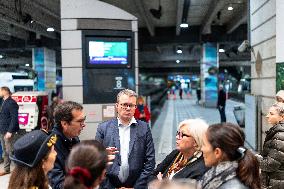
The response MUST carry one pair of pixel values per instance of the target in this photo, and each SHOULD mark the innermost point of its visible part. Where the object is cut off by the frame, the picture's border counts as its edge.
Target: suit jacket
(141, 158)
(9, 116)
(194, 170)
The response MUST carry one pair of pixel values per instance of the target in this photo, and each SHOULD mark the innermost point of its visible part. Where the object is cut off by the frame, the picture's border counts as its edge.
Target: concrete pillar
(263, 68)
(78, 15)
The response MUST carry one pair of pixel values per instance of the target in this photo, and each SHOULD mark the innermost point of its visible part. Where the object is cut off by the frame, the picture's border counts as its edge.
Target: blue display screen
(108, 52)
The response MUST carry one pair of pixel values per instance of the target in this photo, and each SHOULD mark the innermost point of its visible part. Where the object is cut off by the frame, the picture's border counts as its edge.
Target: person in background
(133, 140)
(232, 165)
(9, 125)
(50, 112)
(186, 161)
(142, 112)
(70, 121)
(86, 165)
(280, 96)
(271, 158)
(180, 92)
(34, 156)
(198, 95)
(221, 103)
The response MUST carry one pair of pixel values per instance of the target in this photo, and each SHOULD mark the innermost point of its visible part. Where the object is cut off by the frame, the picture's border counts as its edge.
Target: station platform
(175, 111)
(165, 127)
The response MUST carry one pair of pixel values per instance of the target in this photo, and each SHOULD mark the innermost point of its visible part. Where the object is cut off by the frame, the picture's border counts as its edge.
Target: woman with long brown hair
(34, 156)
(232, 165)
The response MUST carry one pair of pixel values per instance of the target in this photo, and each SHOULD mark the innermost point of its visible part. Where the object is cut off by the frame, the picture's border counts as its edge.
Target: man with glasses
(131, 142)
(70, 121)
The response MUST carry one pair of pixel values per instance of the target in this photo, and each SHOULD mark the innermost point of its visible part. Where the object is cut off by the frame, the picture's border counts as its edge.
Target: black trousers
(222, 113)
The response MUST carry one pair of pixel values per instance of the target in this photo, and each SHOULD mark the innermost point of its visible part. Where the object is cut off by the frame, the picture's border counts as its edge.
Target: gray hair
(127, 92)
(197, 128)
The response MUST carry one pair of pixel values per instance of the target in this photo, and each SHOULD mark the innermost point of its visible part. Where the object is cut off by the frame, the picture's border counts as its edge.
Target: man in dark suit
(9, 125)
(132, 143)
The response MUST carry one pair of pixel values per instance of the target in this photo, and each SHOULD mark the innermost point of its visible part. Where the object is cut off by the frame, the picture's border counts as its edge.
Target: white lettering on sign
(118, 83)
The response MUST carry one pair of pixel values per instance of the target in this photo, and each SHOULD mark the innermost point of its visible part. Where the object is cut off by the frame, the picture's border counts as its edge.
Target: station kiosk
(32, 109)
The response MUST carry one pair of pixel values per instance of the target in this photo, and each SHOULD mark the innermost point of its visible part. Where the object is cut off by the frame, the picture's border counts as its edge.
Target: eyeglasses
(81, 122)
(126, 105)
(181, 135)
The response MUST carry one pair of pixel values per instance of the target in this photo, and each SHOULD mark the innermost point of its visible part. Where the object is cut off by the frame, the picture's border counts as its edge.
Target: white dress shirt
(124, 137)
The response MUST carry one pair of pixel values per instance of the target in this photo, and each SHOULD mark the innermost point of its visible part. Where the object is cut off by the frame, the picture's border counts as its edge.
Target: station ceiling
(23, 25)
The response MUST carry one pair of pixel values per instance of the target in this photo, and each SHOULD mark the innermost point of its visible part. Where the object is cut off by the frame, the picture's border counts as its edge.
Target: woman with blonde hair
(271, 158)
(186, 161)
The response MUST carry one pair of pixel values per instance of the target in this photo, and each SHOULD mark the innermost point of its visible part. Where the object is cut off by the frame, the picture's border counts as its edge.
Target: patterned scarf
(219, 174)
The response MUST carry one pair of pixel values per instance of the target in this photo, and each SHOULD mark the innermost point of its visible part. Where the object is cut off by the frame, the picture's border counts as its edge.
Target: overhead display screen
(108, 53)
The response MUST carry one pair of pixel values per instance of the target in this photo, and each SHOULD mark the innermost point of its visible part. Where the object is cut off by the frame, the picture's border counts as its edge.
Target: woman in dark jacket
(232, 165)
(187, 160)
(272, 156)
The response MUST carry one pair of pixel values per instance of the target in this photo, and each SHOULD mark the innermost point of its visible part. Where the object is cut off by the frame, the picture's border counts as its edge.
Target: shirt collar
(133, 120)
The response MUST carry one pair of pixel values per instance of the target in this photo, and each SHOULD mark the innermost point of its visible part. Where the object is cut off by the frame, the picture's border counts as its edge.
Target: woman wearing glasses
(186, 161)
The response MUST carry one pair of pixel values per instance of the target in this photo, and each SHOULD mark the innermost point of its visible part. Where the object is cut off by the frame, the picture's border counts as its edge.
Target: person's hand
(259, 157)
(8, 135)
(160, 176)
(155, 184)
(111, 151)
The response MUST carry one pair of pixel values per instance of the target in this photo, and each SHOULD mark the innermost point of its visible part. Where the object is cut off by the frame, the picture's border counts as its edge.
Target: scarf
(218, 175)
(180, 162)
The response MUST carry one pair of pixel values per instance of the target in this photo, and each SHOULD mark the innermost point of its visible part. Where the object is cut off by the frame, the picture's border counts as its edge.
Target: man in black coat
(70, 121)
(9, 125)
(221, 104)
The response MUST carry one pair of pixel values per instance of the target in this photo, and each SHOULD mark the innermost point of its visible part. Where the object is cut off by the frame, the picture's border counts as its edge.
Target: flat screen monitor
(105, 52)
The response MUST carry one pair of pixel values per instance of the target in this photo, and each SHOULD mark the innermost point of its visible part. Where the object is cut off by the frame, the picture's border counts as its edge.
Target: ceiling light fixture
(177, 61)
(184, 25)
(27, 65)
(1, 56)
(50, 29)
(230, 8)
(221, 50)
(179, 51)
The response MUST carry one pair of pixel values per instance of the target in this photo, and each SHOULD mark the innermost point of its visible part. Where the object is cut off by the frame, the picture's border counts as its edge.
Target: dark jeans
(222, 113)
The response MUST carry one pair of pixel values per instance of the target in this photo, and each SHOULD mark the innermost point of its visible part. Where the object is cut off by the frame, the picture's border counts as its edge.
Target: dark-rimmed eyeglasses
(126, 105)
(181, 135)
(81, 121)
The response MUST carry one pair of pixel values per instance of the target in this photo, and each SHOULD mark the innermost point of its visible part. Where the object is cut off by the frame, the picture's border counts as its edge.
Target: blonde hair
(279, 107)
(197, 128)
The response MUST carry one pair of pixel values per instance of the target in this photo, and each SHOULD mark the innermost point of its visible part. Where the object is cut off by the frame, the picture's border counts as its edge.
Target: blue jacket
(141, 154)
(9, 116)
(63, 147)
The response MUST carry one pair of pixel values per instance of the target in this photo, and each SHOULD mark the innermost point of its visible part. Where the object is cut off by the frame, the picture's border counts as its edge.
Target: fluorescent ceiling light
(177, 61)
(1, 56)
(221, 50)
(230, 8)
(50, 29)
(27, 64)
(184, 25)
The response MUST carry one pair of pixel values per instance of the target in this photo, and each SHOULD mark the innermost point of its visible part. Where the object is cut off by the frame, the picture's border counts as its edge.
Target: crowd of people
(122, 154)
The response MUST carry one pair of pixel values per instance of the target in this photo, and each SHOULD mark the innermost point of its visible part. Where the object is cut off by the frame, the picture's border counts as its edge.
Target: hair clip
(52, 140)
(242, 151)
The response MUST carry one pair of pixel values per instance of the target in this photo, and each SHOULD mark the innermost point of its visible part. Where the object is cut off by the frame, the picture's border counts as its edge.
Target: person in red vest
(142, 112)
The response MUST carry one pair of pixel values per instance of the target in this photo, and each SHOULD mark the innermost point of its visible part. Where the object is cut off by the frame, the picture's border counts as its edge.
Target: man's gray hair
(197, 128)
(127, 92)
